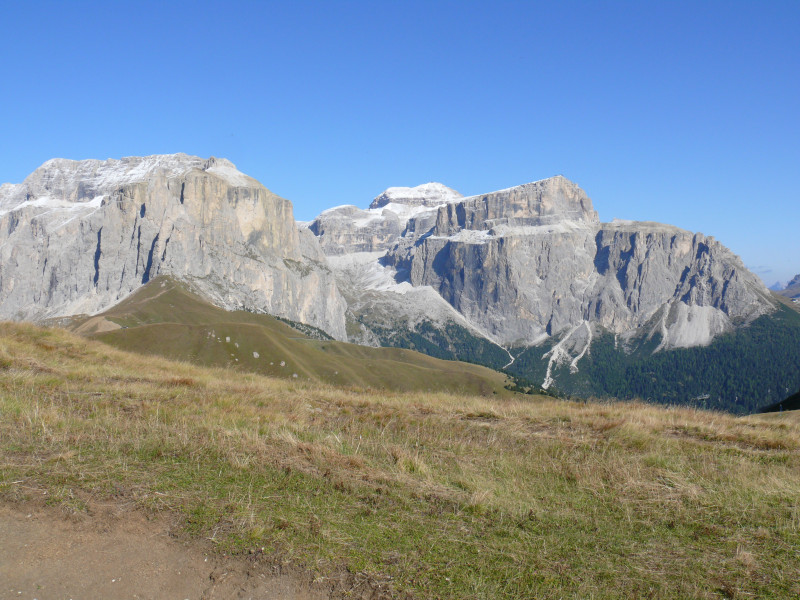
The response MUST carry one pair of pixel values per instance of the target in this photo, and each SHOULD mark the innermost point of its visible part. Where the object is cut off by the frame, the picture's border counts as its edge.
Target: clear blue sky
(680, 112)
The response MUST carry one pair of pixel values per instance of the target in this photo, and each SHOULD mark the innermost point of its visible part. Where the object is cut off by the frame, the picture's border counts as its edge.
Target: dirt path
(46, 554)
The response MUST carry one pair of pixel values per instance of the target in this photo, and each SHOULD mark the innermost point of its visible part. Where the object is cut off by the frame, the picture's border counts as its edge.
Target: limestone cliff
(356, 242)
(348, 229)
(78, 236)
(534, 262)
(517, 267)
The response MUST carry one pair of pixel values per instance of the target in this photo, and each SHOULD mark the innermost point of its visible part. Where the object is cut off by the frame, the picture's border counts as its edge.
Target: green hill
(167, 319)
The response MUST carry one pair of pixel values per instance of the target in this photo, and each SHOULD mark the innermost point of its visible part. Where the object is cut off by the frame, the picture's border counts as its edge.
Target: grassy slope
(439, 495)
(166, 319)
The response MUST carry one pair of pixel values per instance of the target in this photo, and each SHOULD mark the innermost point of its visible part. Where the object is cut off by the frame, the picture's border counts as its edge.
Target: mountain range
(792, 289)
(525, 279)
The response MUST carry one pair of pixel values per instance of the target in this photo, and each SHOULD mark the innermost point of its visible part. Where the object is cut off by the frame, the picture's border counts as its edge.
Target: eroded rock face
(550, 202)
(515, 266)
(348, 229)
(695, 286)
(78, 236)
(534, 261)
(427, 194)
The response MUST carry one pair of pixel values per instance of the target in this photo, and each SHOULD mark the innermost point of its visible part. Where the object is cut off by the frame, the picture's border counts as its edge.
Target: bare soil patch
(96, 325)
(115, 553)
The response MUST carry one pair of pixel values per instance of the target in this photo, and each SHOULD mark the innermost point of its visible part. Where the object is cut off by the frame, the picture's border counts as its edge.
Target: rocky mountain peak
(792, 289)
(548, 202)
(59, 180)
(541, 202)
(78, 236)
(428, 194)
(533, 261)
(346, 229)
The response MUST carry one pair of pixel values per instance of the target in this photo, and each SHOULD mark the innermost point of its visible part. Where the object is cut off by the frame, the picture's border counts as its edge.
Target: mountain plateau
(79, 236)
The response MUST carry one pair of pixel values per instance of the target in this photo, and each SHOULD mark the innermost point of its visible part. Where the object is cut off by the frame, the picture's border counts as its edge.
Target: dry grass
(434, 494)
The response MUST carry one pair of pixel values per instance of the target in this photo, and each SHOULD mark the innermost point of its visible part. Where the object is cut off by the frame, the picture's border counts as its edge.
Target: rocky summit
(79, 236)
(529, 280)
(533, 261)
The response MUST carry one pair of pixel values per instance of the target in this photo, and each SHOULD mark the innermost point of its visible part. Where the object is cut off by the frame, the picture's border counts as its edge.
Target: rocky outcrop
(425, 195)
(694, 286)
(792, 289)
(348, 229)
(534, 262)
(78, 236)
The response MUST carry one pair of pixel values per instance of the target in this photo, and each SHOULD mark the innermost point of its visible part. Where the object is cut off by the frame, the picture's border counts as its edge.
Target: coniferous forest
(738, 372)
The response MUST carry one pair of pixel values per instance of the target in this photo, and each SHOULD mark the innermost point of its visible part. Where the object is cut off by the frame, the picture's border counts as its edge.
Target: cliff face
(78, 236)
(694, 286)
(550, 202)
(349, 229)
(532, 262)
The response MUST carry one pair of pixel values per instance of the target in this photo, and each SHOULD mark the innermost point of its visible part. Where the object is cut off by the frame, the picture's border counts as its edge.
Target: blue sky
(679, 112)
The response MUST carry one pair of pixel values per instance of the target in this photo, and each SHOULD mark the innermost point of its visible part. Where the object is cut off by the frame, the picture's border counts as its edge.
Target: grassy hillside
(165, 318)
(786, 301)
(434, 495)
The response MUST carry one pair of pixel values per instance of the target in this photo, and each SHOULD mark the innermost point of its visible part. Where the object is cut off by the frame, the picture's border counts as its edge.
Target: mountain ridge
(486, 278)
(792, 289)
(531, 270)
(557, 208)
